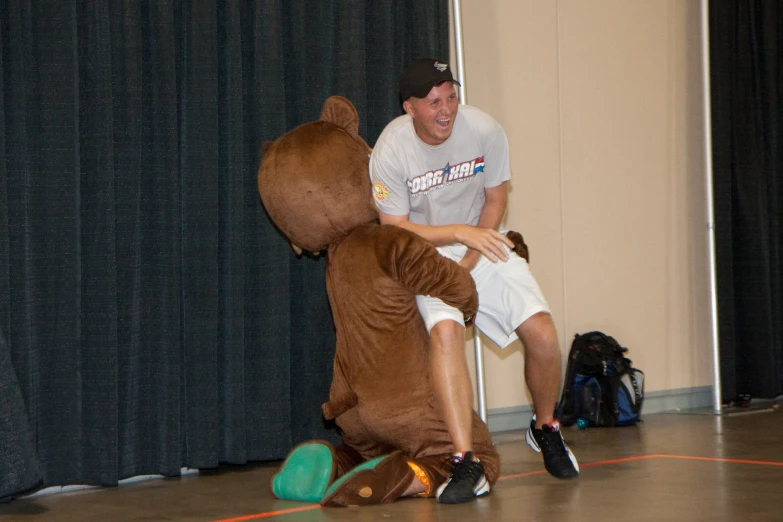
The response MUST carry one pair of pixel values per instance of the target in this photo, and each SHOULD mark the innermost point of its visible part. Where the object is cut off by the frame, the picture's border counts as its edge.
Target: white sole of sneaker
(531, 441)
(479, 490)
(482, 488)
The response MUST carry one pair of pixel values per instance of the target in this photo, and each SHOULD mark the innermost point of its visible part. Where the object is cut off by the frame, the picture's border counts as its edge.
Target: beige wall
(601, 102)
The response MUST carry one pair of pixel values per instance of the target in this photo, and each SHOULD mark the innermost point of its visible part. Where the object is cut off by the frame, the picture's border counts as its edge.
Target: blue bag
(601, 386)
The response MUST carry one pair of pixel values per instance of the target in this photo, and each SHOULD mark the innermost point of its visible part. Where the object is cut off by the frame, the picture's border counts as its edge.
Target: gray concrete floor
(690, 467)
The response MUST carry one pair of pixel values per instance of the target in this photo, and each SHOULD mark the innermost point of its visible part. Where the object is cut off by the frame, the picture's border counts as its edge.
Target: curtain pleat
(198, 122)
(97, 289)
(231, 402)
(19, 467)
(746, 54)
(151, 316)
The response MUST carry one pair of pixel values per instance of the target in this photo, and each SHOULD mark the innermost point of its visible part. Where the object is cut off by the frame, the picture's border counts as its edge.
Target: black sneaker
(467, 481)
(558, 459)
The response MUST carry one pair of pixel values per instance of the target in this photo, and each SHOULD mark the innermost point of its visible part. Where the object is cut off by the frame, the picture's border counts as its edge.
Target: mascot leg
(484, 450)
(306, 473)
(347, 459)
(380, 480)
(368, 472)
(434, 470)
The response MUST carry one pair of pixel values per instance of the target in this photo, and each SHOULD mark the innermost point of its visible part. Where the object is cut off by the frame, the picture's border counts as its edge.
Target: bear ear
(341, 112)
(266, 146)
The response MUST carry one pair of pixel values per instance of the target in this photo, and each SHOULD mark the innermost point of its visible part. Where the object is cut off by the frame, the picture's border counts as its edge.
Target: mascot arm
(417, 265)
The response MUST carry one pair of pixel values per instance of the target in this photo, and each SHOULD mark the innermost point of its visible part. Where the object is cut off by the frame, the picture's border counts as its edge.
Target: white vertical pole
(705, 69)
(463, 93)
(481, 391)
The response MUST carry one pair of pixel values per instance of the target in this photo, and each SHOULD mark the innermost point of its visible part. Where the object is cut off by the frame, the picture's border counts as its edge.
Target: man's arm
(490, 217)
(481, 239)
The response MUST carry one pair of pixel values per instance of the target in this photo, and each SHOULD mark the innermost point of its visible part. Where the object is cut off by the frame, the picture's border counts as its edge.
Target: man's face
(433, 116)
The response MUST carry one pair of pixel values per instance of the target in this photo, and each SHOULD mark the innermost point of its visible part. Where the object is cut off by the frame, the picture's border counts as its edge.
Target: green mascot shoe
(377, 481)
(306, 473)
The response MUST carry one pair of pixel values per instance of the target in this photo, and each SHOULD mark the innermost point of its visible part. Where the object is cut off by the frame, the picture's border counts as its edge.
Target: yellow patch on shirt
(380, 191)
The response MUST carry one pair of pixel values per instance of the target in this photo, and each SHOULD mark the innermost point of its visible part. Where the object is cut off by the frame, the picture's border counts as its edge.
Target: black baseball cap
(422, 75)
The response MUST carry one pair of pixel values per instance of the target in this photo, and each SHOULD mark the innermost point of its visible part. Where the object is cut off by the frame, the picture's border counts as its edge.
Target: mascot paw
(520, 247)
(383, 479)
(306, 473)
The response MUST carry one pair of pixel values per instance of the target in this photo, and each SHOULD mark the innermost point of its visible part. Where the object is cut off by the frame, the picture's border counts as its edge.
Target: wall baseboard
(518, 417)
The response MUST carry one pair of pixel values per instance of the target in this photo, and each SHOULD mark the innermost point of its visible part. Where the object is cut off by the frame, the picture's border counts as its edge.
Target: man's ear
(407, 107)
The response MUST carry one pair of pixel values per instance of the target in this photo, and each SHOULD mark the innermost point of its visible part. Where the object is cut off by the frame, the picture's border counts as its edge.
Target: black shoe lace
(552, 444)
(465, 468)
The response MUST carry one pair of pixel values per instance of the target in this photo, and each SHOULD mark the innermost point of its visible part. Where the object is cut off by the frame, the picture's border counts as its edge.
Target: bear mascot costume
(314, 184)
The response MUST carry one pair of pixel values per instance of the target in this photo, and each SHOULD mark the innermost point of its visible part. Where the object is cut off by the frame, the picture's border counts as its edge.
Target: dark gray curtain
(746, 60)
(151, 317)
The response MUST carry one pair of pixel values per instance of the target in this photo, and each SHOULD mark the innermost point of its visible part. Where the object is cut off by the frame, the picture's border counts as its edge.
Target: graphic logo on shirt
(380, 191)
(449, 174)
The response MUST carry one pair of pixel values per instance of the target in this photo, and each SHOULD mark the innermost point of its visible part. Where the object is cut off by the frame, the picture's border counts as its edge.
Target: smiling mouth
(443, 123)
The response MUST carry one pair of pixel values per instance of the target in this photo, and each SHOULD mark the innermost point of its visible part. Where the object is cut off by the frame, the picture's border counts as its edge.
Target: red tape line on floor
(270, 514)
(720, 459)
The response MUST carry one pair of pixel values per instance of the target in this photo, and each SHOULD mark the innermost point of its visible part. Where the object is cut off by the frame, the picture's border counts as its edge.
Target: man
(442, 172)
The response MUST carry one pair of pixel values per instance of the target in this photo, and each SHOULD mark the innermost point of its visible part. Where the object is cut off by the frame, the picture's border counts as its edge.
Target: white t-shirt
(442, 184)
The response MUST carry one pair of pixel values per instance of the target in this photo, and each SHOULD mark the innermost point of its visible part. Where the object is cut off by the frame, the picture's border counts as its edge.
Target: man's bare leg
(542, 371)
(451, 381)
(416, 487)
(542, 365)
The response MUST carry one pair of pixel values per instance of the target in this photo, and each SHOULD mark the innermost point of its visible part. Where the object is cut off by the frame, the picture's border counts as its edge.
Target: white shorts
(508, 296)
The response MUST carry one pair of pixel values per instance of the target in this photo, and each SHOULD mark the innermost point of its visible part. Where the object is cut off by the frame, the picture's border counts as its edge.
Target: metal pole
(463, 93)
(481, 390)
(705, 69)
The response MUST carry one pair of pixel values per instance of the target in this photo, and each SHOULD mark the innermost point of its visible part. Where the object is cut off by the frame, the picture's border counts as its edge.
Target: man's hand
(486, 241)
